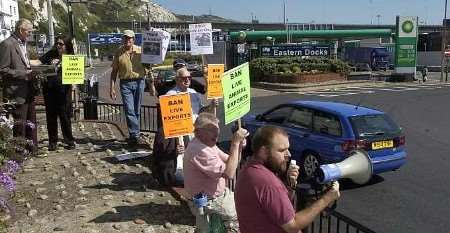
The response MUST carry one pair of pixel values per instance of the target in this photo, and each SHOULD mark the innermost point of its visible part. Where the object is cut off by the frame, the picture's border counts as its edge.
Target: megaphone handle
(333, 206)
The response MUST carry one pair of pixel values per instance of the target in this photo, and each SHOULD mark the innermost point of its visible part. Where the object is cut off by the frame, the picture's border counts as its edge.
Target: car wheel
(310, 162)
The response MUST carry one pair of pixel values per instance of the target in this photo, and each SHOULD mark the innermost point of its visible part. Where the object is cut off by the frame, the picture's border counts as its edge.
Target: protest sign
(154, 46)
(176, 115)
(214, 81)
(72, 69)
(201, 38)
(236, 92)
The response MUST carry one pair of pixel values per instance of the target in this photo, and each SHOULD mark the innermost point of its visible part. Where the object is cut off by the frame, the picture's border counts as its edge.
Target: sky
(313, 11)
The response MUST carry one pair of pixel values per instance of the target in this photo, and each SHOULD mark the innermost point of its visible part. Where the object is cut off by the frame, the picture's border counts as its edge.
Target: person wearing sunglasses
(182, 82)
(58, 97)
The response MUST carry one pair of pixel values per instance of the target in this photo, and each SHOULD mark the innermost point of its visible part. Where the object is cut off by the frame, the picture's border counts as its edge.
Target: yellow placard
(214, 81)
(72, 69)
(176, 114)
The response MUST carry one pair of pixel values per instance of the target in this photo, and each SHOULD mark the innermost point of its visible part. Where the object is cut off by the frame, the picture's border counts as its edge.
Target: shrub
(266, 66)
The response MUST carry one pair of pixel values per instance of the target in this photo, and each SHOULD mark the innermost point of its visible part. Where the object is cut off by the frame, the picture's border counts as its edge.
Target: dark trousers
(58, 104)
(25, 125)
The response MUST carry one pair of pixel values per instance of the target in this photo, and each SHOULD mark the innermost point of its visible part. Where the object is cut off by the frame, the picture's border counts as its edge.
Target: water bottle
(200, 201)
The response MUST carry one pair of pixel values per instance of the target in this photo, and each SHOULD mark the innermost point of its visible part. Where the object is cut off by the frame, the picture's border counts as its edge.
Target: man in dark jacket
(17, 77)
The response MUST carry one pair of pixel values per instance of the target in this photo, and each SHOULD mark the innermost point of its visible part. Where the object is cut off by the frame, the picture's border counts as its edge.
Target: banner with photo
(201, 38)
(154, 46)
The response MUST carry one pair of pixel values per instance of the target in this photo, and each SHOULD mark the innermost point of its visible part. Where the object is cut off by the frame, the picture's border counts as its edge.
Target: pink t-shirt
(262, 200)
(203, 167)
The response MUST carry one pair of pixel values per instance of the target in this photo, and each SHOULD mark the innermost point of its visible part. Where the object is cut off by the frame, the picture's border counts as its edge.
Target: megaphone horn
(357, 167)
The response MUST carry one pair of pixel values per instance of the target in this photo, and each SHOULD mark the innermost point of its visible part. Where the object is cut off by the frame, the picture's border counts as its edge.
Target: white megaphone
(357, 167)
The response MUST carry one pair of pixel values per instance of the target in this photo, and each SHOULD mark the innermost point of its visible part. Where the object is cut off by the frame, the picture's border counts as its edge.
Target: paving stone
(107, 197)
(59, 229)
(41, 190)
(32, 213)
(168, 225)
(37, 183)
(83, 192)
(139, 221)
(60, 186)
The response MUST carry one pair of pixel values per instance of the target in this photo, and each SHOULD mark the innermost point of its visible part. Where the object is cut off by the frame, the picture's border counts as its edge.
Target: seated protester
(196, 85)
(165, 155)
(165, 152)
(206, 169)
(182, 84)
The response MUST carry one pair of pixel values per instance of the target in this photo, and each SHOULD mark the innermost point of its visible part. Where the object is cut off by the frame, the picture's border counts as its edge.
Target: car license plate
(382, 144)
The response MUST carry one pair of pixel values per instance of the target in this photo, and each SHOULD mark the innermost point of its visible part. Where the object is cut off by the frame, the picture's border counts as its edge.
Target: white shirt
(196, 100)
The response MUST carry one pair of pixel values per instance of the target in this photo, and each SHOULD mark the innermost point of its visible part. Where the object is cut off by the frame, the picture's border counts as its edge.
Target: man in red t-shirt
(262, 199)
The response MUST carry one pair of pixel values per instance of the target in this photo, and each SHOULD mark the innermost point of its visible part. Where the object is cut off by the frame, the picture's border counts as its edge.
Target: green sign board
(236, 92)
(406, 44)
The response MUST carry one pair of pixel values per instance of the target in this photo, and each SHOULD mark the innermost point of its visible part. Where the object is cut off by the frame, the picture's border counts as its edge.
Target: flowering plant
(13, 151)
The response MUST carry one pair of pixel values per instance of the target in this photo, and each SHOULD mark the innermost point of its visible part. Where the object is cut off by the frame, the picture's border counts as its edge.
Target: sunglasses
(184, 78)
(59, 43)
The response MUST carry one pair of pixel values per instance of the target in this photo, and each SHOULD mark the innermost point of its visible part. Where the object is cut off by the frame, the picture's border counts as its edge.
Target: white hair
(21, 24)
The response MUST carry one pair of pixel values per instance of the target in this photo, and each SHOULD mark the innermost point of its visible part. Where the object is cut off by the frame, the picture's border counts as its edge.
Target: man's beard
(279, 169)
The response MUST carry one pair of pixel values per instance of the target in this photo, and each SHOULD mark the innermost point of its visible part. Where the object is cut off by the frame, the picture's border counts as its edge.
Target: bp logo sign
(408, 26)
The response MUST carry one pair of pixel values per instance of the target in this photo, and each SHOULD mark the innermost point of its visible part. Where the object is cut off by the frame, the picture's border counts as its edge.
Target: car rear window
(370, 125)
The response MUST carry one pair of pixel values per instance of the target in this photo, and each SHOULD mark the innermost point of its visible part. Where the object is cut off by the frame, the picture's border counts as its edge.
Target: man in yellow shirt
(131, 72)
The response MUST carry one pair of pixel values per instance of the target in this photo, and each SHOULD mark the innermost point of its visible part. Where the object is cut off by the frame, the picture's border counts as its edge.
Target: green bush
(263, 66)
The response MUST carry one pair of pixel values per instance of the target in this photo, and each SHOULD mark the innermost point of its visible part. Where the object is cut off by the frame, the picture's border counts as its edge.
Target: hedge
(260, 67)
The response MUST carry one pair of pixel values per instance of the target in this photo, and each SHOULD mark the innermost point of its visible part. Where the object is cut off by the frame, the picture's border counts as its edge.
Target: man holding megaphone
(265, 184)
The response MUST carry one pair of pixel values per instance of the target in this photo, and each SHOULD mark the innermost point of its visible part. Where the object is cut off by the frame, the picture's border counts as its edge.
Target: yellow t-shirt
(129, 65)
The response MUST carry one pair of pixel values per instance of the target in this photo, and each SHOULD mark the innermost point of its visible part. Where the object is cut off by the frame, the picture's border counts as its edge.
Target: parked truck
(375, 58)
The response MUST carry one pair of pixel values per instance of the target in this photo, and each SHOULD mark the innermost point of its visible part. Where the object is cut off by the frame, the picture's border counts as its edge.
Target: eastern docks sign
(295, 51)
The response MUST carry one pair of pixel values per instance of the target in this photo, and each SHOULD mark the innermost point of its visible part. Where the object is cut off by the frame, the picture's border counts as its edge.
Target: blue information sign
(111, 38)
(295, 50)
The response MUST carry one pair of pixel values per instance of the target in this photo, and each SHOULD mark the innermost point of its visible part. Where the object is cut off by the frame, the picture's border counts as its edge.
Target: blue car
(323, 132)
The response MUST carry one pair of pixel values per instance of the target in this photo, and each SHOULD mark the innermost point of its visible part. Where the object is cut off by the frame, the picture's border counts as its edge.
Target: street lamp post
(148, 16)
(70, 14)
(51, 33)
(444, 42)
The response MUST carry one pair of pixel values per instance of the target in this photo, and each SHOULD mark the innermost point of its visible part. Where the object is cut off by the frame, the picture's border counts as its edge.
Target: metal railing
(115, 113)
(331, 221)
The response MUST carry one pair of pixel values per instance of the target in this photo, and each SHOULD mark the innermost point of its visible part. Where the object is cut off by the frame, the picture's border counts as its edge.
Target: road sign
(111, 38)
(295, 51)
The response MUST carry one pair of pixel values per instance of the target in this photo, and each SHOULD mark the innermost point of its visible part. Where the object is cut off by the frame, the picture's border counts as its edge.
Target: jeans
(131, 92)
